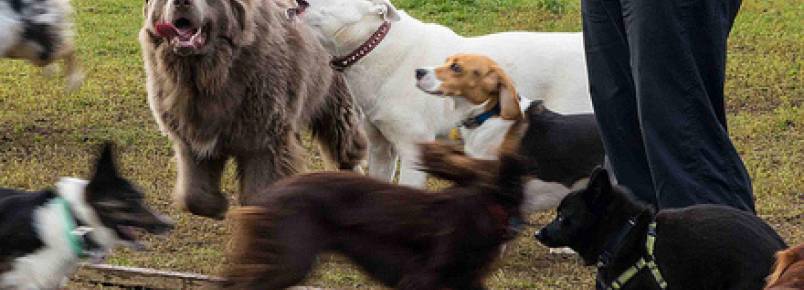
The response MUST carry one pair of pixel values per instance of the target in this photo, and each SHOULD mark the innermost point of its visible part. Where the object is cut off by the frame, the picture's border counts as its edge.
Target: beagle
(562, 150)
(484, 92)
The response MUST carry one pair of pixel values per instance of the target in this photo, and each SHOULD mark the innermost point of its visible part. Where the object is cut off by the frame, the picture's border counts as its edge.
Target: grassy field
(45, 133)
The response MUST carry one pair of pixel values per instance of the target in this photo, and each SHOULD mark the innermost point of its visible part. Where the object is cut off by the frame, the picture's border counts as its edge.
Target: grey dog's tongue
(168, 30)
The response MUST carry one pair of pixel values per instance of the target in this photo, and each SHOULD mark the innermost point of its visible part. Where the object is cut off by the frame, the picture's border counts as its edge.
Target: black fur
(698, 247)
(17, 234)
(16, 5)
(43, 35)
(561, 148)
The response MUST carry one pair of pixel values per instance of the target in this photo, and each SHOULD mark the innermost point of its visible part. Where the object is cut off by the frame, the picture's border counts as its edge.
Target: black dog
(404, 237)
(561, 151)
(43, 235)
(562, 148)
(699, 247)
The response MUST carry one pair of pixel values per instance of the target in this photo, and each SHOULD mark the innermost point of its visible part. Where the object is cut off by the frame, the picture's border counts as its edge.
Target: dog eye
(456, 68)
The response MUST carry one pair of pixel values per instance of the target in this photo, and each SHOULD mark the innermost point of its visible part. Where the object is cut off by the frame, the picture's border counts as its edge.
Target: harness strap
(645, 262)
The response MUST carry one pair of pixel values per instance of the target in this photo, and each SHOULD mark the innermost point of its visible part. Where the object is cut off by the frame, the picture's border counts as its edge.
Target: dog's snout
(420, 73)
(181, 3)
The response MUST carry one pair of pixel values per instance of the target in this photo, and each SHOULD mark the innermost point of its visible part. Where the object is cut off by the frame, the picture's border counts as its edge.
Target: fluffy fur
(34, 250)
(404, 237)
(40, 31)
(238, 79)
(788, 271)
(697, 248)
(547, 66)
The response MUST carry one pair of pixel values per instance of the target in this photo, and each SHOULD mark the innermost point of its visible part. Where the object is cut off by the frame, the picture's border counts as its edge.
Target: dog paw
(210, 205)
(74, 81)
(50, 71)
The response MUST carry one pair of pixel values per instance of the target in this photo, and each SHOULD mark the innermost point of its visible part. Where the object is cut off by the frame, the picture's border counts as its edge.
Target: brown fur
(788, 272)
(247, 94)
(480, 79)
(404, 237)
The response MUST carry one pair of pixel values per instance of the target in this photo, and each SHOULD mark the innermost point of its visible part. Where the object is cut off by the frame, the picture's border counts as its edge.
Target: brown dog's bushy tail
(337, 127)
(449, 162)
(250, 247)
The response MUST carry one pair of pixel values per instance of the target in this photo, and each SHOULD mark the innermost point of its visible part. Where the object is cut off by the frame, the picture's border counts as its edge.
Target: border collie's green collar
(77, 236)
(644, 262)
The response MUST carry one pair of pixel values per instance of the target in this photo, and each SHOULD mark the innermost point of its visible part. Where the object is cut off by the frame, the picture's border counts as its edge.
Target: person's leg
(691, 158)
(612, 90)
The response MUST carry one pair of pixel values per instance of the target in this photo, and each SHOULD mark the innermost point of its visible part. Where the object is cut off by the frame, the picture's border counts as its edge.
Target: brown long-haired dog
(404, 237)
(788, 272)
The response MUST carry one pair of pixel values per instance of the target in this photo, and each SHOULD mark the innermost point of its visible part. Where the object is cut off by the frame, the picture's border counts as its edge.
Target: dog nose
(182, 2)
(420, 73)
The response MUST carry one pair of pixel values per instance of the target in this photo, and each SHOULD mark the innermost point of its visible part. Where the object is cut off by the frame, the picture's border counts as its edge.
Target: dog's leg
(256, 171)
(409, 173)
(382, 156)
(72, 68)
(337, 128)
(198, 183)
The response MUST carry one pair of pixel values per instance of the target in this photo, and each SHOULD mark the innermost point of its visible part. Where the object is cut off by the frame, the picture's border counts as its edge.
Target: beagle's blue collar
(476, 121)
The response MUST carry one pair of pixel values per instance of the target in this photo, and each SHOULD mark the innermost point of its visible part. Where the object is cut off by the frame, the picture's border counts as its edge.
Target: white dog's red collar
(343, 62)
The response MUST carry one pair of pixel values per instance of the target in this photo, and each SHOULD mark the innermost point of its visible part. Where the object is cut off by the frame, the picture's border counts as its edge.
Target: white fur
(49, 267)
(547, 66)
(10, 27)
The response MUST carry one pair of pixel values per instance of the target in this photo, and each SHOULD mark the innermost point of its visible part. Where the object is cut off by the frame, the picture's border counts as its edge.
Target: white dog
(379, 48)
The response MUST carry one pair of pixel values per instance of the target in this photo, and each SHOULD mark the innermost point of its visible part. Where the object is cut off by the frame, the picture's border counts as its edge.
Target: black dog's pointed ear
(599, 180)
(105, 168)
(599, 188)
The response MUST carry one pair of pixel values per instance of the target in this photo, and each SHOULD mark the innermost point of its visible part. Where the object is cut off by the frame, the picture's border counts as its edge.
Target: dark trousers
(656, 71)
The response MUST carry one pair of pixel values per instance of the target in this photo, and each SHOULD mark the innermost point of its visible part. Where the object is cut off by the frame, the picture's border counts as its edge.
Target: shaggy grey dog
(238, 79)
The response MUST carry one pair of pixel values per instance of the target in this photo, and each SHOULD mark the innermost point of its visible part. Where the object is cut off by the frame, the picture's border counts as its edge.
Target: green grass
(45, 133)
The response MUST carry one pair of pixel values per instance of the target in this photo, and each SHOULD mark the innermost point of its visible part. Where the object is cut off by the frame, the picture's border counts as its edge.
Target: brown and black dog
(404, 237)
(788, 272)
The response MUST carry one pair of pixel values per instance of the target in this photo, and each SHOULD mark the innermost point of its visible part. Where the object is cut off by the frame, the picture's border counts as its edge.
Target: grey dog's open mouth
(182, 33)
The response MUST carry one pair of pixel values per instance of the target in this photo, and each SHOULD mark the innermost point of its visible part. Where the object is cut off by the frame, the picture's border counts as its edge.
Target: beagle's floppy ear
(386, 9)
(509, 99)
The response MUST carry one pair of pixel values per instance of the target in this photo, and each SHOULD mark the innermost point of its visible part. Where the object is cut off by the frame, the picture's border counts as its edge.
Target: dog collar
(648, 262)
(77, 236)
(476, 121)
(344, 62)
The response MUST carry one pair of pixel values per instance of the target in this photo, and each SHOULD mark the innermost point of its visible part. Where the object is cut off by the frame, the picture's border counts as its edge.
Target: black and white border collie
(40, 31)
(43, 235)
